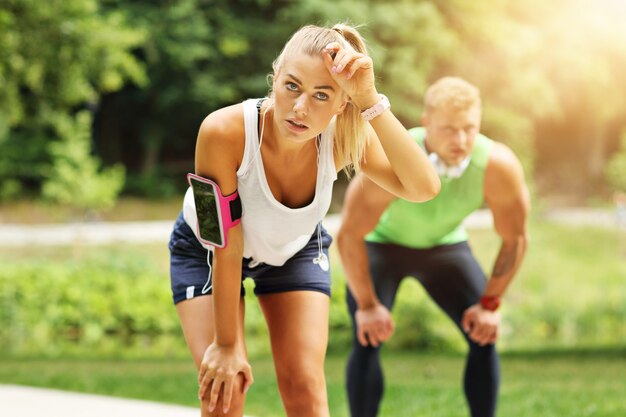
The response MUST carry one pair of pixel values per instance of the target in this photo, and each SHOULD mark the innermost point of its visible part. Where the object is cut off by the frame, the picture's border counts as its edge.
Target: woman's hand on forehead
(352, 71)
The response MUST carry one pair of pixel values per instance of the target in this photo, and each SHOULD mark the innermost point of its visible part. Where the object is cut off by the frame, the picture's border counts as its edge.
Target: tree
(57, 58)
(200, 55)
(584, 59)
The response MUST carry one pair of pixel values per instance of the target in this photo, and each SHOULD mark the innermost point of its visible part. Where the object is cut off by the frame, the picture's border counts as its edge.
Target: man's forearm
(507, 263)
(353, 252)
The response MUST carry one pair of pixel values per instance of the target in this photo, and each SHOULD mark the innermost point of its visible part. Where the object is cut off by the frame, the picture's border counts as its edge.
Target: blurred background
(100, 103)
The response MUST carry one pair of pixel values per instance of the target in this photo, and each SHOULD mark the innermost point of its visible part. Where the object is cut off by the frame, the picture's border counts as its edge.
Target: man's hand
(482, 326)
(374, 325)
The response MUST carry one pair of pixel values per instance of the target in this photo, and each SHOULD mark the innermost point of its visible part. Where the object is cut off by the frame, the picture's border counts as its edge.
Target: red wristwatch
(490, 303)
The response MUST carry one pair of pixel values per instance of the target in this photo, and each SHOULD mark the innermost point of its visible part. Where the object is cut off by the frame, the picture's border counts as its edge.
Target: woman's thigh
(196, 318)
(298, 327)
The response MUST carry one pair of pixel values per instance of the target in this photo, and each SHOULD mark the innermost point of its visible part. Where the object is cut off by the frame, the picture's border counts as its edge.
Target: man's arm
(363, 204)
(507, 196)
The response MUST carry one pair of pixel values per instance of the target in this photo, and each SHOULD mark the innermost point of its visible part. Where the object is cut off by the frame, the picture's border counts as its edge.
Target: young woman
(282, 155)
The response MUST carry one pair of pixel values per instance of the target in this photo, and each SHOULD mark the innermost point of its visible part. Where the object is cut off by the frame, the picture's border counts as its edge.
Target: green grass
(569, 295)
(570, 290)
(548, 384)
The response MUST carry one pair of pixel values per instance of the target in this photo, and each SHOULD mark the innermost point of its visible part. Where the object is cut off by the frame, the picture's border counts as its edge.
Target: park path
(22, 401)
(97, 233)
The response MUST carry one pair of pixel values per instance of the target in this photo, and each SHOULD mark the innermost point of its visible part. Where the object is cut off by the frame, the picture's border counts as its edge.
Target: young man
(384, 239)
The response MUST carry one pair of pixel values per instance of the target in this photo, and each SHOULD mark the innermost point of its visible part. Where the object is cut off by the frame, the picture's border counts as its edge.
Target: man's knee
(362, 353)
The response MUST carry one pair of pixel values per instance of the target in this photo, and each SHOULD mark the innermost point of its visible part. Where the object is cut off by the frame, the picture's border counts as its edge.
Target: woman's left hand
(354, 72)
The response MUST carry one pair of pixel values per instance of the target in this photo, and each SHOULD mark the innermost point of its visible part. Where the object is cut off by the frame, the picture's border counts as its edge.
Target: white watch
(377, 109)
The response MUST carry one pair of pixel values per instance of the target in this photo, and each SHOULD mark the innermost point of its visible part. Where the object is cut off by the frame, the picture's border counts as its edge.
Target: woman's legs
(298, 326)
(196, 317)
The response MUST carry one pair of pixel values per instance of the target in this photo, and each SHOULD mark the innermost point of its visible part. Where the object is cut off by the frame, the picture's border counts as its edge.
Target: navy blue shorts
(190, 273)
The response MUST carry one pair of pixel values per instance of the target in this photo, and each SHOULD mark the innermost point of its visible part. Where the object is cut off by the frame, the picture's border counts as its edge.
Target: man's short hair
(451, 93)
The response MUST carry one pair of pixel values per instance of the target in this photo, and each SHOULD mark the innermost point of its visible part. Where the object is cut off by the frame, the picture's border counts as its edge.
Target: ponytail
(351, 129)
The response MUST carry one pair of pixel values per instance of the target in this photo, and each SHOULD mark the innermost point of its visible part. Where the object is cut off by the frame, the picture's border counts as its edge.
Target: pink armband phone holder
(216, 213)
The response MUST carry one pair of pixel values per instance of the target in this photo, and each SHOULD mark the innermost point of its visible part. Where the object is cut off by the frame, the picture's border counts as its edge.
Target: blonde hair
(451, 93)
(350, 129)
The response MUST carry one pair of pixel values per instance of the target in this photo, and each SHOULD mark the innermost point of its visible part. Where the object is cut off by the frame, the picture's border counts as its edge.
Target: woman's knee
(237, 402)
(303, 387)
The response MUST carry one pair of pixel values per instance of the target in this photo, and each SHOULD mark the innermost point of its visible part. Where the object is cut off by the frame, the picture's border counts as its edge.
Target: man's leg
(364, 376)
(455, 281)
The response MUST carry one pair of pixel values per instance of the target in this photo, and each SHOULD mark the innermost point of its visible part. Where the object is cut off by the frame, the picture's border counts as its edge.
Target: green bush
(111, 302)
(76, 178)
(58, 60)
(116, 300)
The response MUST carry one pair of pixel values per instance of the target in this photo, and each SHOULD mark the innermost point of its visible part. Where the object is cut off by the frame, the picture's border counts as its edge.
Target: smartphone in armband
(216, 213)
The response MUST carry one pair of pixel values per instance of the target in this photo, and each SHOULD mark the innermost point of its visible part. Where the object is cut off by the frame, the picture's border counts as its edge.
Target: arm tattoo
(506, 260)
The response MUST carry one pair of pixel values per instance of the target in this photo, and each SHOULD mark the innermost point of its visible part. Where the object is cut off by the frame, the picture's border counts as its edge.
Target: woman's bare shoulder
(225, 125)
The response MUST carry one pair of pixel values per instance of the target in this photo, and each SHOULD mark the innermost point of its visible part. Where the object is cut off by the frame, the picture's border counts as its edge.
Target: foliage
(616, 168)
(74, 179)
(117, 300)
(200, 55)
(57, 58)
(110, 302)
(150, 71)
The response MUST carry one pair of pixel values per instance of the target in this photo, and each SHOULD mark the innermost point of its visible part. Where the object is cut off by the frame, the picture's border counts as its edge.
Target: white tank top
(272, 232)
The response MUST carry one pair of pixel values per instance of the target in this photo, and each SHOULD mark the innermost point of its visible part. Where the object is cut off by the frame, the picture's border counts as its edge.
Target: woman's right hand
(353, 72)
(220, 366)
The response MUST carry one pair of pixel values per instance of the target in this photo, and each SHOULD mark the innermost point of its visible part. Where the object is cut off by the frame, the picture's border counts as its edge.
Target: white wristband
(377, 109)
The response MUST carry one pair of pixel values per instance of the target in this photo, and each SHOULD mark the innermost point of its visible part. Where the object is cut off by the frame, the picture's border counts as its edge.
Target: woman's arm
(216, 159)
(396, 163)
(219, 150)
(391, 159)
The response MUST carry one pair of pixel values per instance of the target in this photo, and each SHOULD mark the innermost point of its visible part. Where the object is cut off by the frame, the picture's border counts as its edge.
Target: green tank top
(440, 220)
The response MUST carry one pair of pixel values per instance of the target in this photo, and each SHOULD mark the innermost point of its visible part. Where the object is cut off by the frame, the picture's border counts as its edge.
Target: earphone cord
(320, 253)
(209, 258)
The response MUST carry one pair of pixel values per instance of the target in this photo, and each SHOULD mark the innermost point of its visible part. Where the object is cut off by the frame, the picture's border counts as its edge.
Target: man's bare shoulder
(503, 165)
(504, 175)
(503, 158)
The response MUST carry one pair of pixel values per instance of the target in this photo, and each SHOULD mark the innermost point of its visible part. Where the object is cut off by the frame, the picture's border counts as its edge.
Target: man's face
(450, 132)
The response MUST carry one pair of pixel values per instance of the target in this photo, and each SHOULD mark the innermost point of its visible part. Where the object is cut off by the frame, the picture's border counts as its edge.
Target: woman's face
(305, 98)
